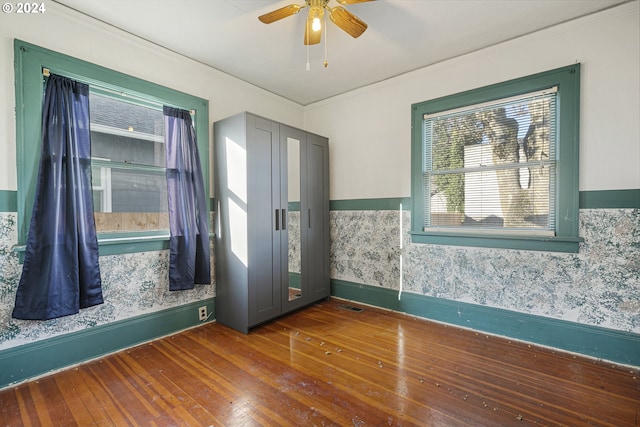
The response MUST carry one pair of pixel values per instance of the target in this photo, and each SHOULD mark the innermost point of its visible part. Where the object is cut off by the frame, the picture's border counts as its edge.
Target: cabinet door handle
(277, 219)
(284, 219)
(309, 217)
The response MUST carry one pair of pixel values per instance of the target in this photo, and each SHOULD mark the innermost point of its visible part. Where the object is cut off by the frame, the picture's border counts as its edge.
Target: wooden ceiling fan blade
(310, 36)
(347, 21)
(353, 1)
(281, 13)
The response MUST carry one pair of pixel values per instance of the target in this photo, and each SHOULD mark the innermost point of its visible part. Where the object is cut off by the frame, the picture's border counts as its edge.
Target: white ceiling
(403, 35)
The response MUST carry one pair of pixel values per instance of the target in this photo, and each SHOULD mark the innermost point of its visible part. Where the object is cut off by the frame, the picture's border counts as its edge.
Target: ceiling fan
(340, 16)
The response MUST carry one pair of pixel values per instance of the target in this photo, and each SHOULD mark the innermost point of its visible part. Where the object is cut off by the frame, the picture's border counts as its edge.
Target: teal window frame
(30, 60)
(566, 238)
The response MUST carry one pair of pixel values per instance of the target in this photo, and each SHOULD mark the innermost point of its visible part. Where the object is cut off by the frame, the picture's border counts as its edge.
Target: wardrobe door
(292, 146)
(265, 221)
(316, 182)
(231, 244)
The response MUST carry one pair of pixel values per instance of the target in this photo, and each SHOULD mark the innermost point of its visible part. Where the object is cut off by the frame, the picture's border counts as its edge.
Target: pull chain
(307, 39)
(326, 36)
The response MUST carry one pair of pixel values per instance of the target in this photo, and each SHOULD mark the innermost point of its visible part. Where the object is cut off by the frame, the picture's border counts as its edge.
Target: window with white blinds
(497, 166)
(490, 167)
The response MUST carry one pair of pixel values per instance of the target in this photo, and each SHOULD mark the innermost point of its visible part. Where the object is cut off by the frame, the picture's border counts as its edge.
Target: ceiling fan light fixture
(316, 12)
(340, 16)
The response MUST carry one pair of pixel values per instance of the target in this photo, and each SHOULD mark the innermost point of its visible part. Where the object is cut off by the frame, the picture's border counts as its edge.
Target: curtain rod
(46, 73)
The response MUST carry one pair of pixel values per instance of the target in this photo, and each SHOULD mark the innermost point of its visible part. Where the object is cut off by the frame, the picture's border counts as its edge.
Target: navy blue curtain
(189, 262)
(61, 274)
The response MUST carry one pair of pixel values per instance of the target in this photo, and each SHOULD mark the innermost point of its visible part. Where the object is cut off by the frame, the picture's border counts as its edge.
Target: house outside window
(496, 166)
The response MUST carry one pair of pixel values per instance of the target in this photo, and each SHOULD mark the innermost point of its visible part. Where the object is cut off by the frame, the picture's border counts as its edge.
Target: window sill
(114, 244)
(122, 243)
(531, 243)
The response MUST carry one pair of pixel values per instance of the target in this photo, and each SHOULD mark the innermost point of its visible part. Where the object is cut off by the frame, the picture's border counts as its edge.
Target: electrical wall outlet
(202, 313)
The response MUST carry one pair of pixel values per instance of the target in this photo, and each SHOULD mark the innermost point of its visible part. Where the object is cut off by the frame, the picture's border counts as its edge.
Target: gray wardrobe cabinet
(272, 219)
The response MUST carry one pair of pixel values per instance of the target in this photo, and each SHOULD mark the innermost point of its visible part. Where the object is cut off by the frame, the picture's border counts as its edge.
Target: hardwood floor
(328, 366)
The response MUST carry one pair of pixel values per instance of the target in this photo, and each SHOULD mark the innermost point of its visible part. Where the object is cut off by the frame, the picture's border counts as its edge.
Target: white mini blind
(490, 167)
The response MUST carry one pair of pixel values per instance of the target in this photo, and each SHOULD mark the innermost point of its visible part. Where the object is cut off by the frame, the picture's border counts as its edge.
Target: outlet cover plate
(202, 312)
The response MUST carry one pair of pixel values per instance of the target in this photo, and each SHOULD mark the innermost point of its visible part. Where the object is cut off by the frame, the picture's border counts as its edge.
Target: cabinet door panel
(231, 240)
(317, 216)
(263, 203)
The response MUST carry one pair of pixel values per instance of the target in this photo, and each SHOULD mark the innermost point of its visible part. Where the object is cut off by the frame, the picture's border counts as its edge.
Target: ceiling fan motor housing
(316, 8)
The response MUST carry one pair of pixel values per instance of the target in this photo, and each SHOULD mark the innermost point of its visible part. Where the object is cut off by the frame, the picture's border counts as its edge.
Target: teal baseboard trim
(610, 199)
(8, 201)
(366, 294)
(616, 346)
(382, 204)
(31, 360)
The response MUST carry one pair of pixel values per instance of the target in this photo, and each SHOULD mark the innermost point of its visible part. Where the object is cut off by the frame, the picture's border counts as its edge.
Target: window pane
(128, 161)
(492, 166)
(126, 132)
(138, 191)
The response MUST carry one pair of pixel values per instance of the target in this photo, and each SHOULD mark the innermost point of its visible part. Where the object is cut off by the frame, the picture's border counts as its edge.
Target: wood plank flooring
(328, 366)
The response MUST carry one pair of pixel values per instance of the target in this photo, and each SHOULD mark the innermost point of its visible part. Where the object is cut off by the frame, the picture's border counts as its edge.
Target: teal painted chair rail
(610, 199)
(8, 201)
(380, 204)
(605, 199)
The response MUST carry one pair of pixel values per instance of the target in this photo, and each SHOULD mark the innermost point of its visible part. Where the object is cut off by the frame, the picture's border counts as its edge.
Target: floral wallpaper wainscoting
(132, 284)
(599, 286)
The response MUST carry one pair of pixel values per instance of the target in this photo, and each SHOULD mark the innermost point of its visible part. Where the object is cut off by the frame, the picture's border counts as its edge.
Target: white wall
(369, 129)
(66, 31)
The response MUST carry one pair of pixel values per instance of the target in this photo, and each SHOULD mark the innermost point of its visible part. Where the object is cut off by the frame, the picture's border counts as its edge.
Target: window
(128, 165)
(498, 166)
(127, 147)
